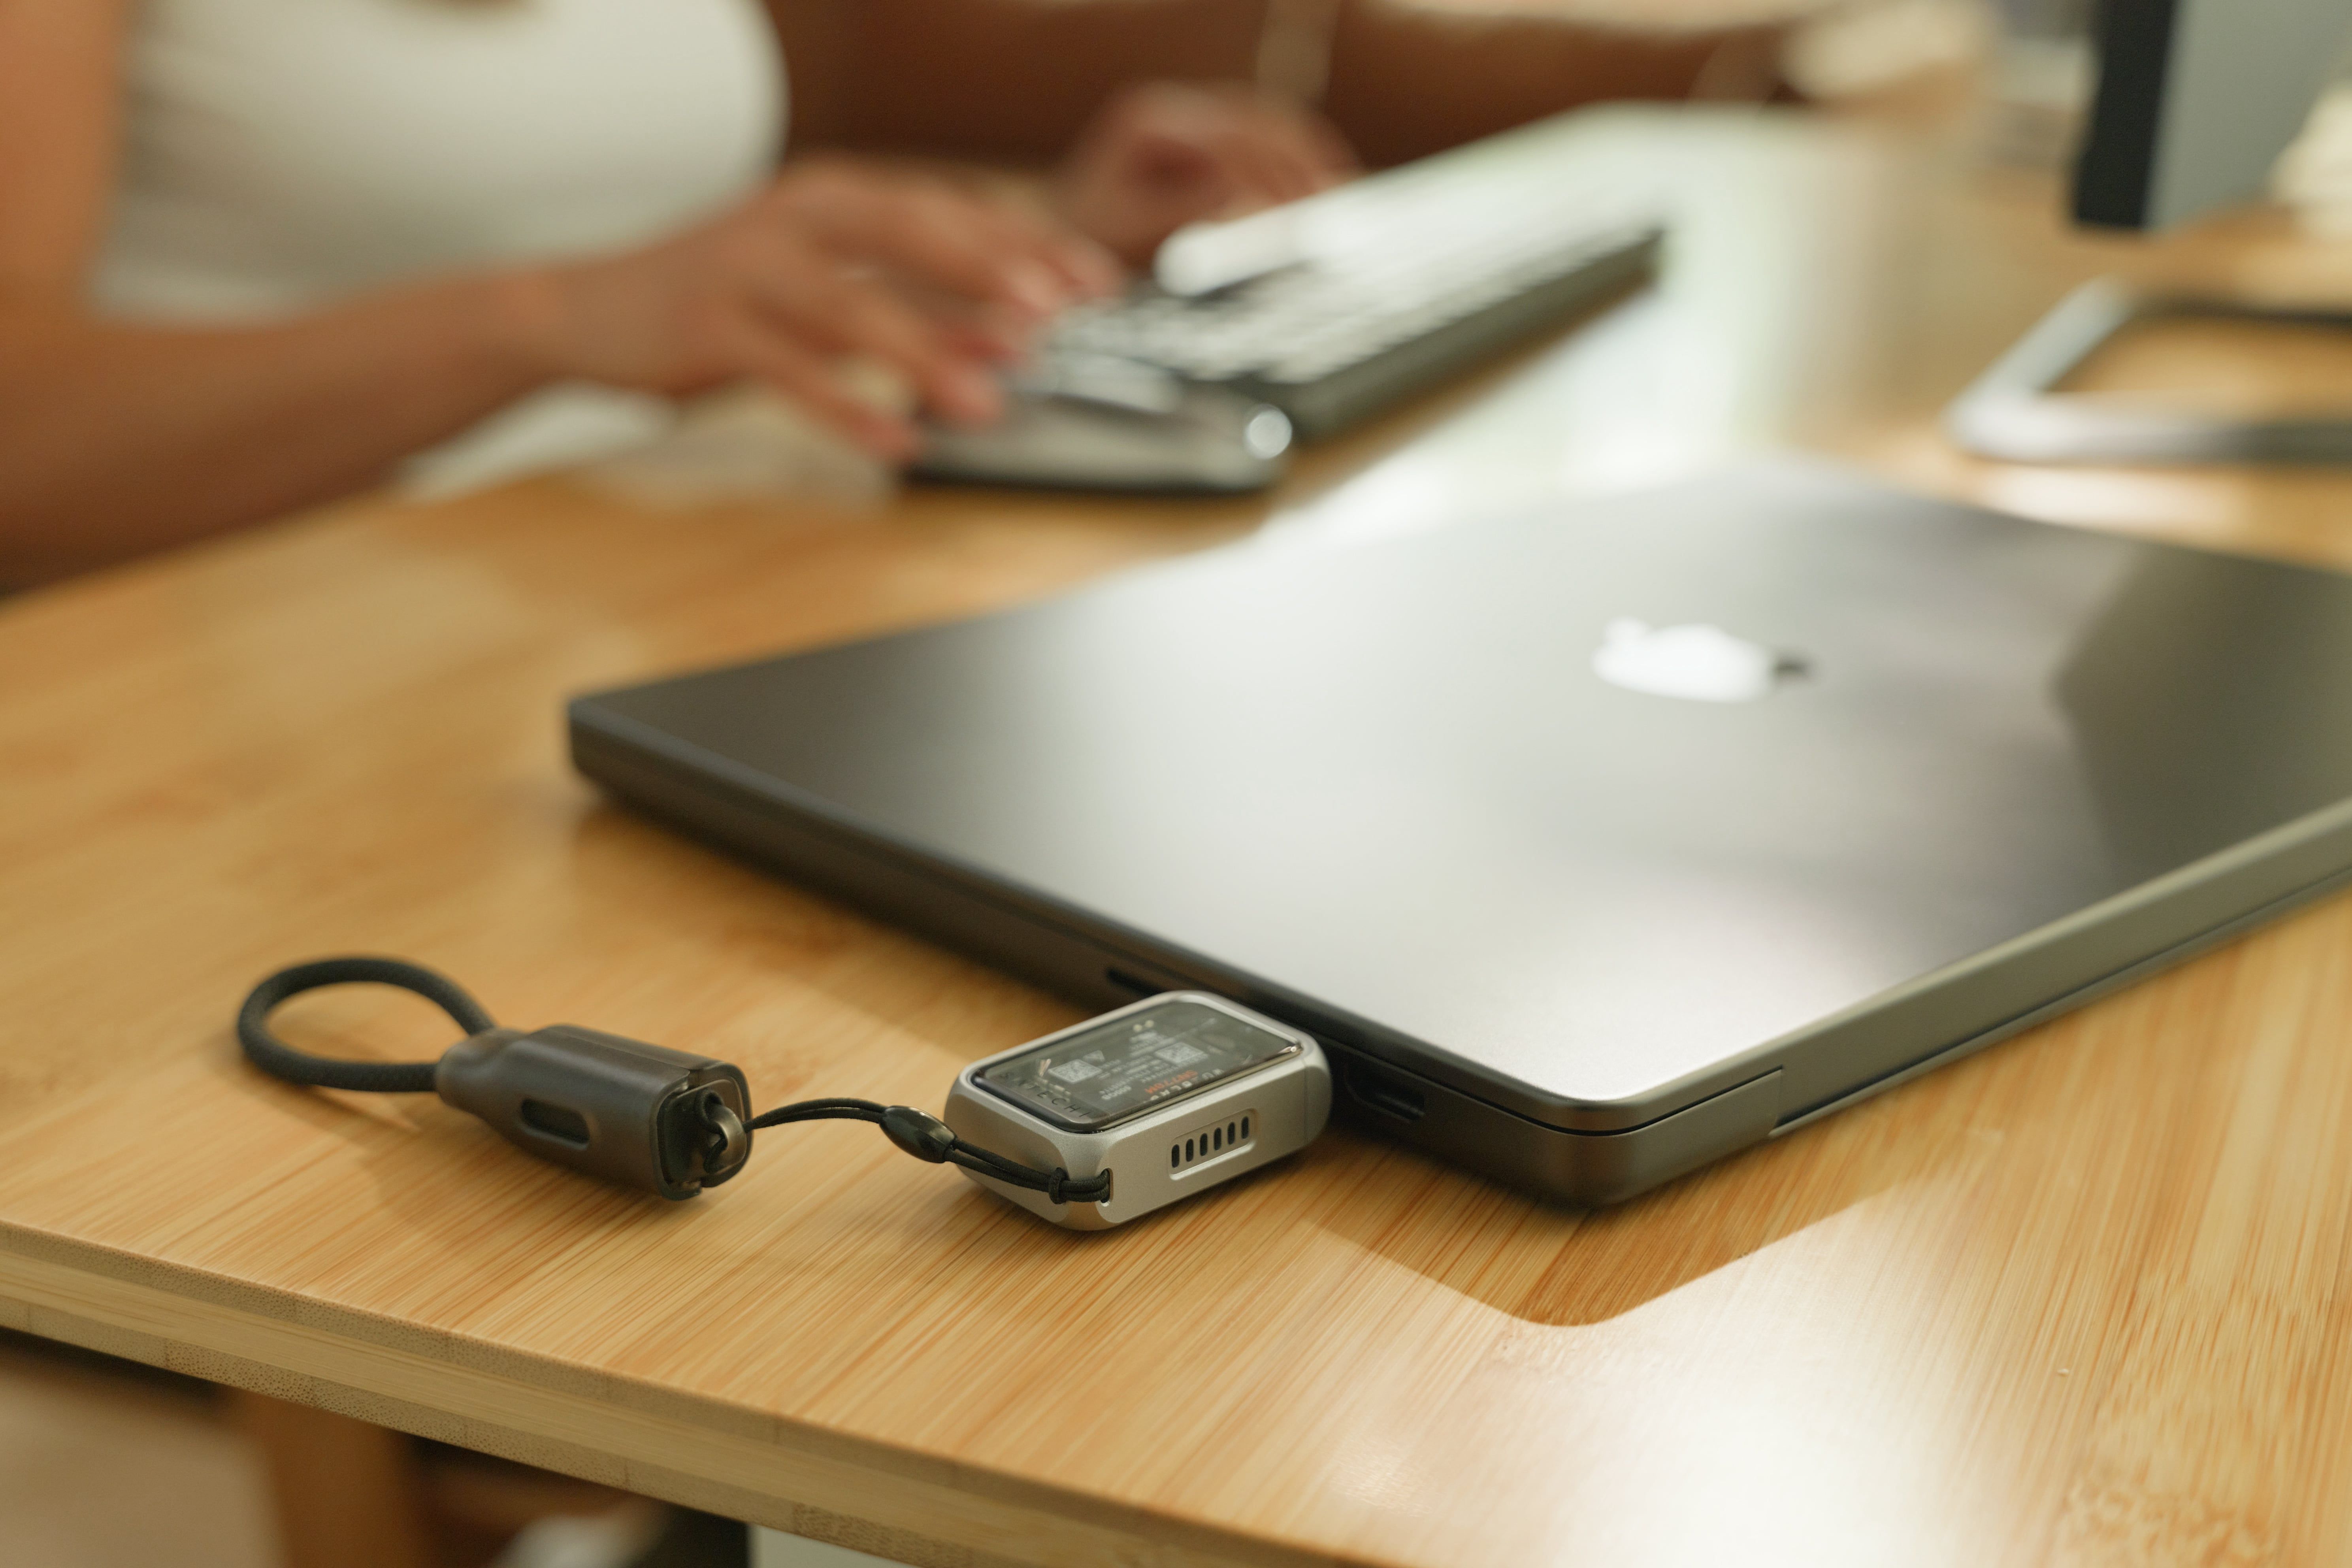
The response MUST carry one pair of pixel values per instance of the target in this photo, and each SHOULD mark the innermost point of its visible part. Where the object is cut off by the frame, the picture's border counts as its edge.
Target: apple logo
(1696, 663)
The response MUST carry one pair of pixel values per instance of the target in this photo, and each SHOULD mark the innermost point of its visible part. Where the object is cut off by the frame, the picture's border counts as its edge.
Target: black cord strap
(275, 1058)
(918, 1132)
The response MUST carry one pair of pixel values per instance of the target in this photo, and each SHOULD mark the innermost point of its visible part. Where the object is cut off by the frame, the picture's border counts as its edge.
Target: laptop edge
(1406, 1089)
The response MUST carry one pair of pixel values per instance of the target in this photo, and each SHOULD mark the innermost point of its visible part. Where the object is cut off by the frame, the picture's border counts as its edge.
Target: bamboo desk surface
(2078, 1299)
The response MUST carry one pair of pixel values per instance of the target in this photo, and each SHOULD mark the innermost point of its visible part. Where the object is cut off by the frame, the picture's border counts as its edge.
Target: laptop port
(1385, 1094)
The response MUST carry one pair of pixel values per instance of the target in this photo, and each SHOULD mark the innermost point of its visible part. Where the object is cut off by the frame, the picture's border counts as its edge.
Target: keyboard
(1336, 308)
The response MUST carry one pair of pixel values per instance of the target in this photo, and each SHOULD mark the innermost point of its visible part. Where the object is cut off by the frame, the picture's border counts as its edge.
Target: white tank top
(281, 154)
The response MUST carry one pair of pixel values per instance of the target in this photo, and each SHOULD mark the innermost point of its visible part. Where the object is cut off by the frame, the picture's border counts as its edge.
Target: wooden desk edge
(862, 1495)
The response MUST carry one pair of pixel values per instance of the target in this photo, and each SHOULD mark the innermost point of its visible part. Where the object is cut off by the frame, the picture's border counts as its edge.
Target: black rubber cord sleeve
(275, 1058)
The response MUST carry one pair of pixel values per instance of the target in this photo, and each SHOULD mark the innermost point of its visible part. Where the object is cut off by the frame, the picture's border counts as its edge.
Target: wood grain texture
(2077, 1300)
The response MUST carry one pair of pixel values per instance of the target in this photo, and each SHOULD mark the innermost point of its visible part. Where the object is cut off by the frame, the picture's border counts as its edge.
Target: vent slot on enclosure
(1213, 1141)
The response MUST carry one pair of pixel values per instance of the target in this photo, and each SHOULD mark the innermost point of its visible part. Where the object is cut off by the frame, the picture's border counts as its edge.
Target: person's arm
(115, 439)
(1014, 80)
(1408, 77)
(1020, 79)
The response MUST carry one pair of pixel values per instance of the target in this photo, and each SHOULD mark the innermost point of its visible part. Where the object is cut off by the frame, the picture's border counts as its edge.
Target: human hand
(833, 261)
(1163, 154)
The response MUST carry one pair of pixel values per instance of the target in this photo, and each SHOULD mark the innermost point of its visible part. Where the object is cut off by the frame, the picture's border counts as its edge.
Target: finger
(984, 248)
(1310, 135)
(1329, 148)
(976, 337)
(976, 332)
(1237, 172)
(1079, 268)
(812, 384)
(1085, 269)
(1219, 160)
(946, 240)
(1309, 156)
(1047, 265)
(1266, 168)
(1283, 154)
(862, 216)
(845, 315)
(1308, 150)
